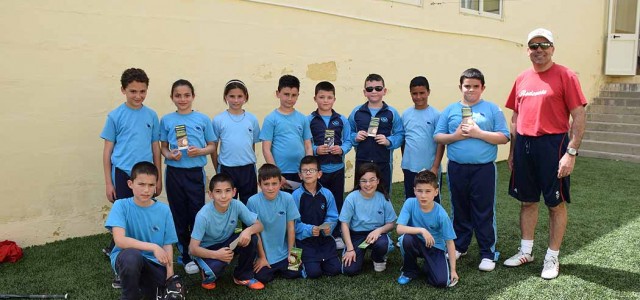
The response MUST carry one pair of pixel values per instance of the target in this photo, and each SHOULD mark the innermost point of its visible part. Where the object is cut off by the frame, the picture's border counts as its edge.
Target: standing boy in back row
(420, 151)
(376, 129)
(331, 141)
(472, 128)
(285, 134)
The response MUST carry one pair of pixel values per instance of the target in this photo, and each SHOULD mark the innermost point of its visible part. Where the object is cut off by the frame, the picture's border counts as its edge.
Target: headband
(235, 81)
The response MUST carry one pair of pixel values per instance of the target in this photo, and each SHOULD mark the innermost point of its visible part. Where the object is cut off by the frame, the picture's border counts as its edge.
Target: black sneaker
(116, 283)
(107, 251)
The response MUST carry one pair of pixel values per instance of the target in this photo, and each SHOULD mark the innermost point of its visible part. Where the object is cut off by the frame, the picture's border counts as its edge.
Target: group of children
(300, 203)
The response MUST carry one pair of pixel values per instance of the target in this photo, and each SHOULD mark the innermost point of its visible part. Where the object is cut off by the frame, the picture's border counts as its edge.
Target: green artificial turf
(599, 257)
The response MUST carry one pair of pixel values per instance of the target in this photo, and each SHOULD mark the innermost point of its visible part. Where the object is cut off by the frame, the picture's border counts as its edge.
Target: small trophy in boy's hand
(329, 137)
(467, 115)
(181, 137)
(373, 127)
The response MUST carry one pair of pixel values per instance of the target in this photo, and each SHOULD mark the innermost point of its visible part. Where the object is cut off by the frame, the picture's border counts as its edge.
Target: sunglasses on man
(544, 45)
(370, 89)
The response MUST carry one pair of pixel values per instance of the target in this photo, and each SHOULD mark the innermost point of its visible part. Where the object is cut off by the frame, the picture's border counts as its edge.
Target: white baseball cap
(540, 32)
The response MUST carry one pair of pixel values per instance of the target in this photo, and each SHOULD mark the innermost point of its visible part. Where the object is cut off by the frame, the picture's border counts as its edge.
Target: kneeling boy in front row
(277, 212)
(317, 207)
(214, 241)
(144, 235)
(425, 228)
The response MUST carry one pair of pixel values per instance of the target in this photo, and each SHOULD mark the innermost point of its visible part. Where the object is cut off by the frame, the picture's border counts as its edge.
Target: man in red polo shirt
(544, 146)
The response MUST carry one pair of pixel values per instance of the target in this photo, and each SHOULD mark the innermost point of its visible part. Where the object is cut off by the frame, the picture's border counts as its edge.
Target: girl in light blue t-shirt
(367, 216)
(237, 131)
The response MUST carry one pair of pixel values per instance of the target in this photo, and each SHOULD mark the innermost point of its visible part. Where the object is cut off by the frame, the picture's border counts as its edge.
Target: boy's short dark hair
(288, 81)
(419, 81)
(268, 171)
(325, 86)
(426, 177)
(373, 77)
(220, 178)
(310, 160)
(131, 75)
(472, 73)
(144, 167)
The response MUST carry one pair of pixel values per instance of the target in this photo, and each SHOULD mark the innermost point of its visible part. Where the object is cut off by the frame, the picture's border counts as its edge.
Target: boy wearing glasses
(331, 141)
(318, 217)
(544, 146)
(376, 129)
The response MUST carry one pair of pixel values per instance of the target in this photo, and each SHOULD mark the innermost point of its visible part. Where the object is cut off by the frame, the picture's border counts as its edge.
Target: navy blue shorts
(409, 177)
(121, 185)
(293, 177)
(535, 169)
(244, 179)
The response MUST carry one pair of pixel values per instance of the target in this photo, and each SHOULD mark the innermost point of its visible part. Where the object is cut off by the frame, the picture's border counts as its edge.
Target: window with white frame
(490, 8)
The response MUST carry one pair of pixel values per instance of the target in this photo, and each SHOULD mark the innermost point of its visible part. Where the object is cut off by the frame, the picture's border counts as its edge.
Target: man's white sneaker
(191, 268)
(551, 268)
(339, 243)
(458, 254)
(519, 259)
(379, 267)
(487, 265)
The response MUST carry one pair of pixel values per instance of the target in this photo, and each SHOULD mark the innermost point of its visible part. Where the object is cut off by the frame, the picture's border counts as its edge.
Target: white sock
(526, 246)
(551, 254)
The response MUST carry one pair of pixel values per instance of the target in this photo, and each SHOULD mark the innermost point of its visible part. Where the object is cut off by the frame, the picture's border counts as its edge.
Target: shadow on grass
(614, 279)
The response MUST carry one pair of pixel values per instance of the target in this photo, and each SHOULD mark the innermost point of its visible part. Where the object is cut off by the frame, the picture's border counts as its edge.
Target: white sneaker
(458, 254)
(379, 267)
(487, 265)
(191, 268)
(519, 259)
(551, 268)
(339, 243)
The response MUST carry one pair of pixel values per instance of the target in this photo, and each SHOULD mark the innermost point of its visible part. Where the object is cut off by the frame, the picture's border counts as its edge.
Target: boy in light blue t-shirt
(472, 128)
(186, 139)
(131, 134)
(144, 236)
(214, 241)
(277, 213)
(285, 135)
(420, 151)
(426, 231)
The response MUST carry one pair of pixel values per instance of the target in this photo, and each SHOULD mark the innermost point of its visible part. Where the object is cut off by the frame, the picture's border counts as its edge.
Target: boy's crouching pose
(425, 228)
(143, 232)
(214, 241)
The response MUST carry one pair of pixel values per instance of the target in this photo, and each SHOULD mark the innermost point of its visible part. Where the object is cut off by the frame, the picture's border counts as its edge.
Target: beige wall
(61, 62)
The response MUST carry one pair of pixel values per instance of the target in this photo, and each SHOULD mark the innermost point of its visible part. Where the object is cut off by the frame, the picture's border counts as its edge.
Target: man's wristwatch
(572, 151)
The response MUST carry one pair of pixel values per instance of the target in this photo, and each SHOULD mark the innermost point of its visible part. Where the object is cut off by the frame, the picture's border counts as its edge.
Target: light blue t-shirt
(366, 214)
(287, 134)
(199, 133)
(274, 215)
(132, 131)
(151, 224)
(488, 116)
(236, 136)
(419, 145)
(213, 227)
(436, 221)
